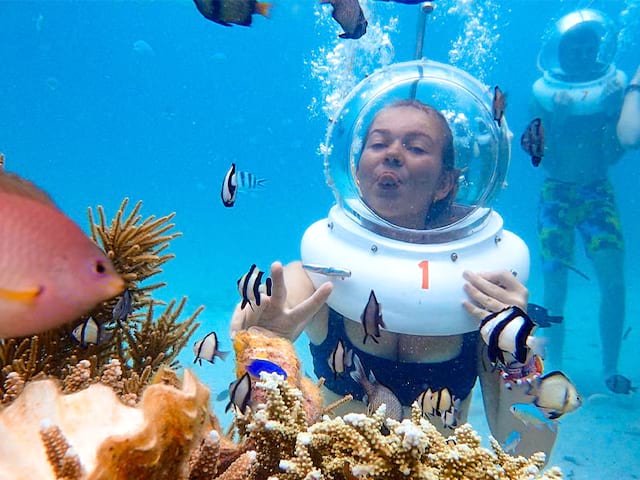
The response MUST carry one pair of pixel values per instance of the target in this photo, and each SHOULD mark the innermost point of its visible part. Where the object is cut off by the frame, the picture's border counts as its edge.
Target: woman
(406, 175)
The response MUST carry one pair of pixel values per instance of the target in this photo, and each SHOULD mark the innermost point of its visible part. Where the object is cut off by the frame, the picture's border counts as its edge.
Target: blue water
(101, 100)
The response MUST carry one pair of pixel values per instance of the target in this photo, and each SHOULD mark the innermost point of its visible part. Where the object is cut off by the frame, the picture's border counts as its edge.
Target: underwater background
(101, 100)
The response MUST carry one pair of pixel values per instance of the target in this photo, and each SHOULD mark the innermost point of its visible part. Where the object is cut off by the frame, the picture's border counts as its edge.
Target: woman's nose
(393, 155)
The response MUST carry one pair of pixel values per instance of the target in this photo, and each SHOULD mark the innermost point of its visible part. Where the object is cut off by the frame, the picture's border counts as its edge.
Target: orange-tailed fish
(51, 273)
(532, 141)
(226, 12)
(350, 17)
(499, 105)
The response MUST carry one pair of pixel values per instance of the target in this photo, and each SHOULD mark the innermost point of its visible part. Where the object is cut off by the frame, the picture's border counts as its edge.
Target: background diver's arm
(628, 128)
(293, 304)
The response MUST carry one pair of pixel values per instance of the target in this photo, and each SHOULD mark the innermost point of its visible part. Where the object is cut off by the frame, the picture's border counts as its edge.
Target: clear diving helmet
(415, 274)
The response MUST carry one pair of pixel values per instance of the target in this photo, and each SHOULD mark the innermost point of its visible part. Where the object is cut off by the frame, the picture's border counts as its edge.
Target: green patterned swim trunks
(566, 207)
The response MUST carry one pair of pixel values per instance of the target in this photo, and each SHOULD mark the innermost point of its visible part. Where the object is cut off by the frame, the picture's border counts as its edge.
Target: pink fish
(51, 273)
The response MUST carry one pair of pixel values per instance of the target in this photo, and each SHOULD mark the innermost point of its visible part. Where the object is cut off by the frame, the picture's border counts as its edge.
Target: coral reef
(354, 445)
(92, 435)
(257, 343)
(141, 343)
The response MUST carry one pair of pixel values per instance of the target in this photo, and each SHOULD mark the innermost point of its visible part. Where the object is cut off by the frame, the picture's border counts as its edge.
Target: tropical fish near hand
(51, 273)
(250, 287)
(498, 105)
(509, 332)
(554, 394)
(406, 2)
(226, 12)
(532, 141)
(372, 319)
(350, 17)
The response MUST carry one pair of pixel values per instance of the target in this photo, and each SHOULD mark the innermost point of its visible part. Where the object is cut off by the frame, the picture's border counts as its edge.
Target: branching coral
(141, 343)
(361, 446)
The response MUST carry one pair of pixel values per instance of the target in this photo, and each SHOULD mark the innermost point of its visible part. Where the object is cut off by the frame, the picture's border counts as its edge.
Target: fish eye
(99, 267)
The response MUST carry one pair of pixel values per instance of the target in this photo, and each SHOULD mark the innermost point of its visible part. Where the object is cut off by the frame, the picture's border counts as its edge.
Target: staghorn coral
(142, 344)
(354, 445)
(92, 435)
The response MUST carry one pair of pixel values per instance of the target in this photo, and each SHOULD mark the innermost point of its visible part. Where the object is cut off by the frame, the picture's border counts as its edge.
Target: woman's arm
(628, 128)
(291, 307)
(491, 292)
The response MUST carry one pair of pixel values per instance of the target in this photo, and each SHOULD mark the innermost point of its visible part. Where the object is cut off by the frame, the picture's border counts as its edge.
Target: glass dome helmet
(482, 148)
(580, 46)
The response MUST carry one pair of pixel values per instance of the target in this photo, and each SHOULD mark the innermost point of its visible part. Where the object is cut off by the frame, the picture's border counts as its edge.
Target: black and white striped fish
(207, 349)
(372, 319)
(240, 394)
(249, 286)
(229, 187)
(247, 181)
(239, 181)
(340, 359)
(509, 331)
(90, 332)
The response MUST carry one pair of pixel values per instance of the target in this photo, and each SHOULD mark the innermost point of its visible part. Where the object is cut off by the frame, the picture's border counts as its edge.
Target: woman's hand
(493, 291)
(274, 314)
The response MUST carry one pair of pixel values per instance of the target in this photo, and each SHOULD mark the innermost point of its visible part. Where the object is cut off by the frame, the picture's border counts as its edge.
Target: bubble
(340, 66)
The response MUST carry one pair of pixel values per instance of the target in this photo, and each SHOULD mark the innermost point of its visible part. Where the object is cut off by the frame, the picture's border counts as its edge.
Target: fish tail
(223, 355)
(264, 8)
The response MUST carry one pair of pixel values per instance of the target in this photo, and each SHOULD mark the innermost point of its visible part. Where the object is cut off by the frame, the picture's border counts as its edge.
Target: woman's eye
(416, 149)
(377, 145)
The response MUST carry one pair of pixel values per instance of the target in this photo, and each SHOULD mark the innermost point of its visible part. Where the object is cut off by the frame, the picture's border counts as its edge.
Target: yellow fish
(555, 395)
(51, 273)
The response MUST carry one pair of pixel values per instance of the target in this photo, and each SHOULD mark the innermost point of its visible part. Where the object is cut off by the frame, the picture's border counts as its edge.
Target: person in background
(579, 99)
(407, 176)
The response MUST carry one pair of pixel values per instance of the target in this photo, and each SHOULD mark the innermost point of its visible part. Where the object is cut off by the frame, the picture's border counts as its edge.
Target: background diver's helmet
(579, 47)
(482, 147)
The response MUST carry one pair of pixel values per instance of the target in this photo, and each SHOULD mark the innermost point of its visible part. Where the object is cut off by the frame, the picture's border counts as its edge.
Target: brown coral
(143, 344)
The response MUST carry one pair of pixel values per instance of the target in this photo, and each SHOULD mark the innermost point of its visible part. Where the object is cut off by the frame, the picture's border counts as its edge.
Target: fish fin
(263, 8)
(223, 354)
(25, 296)
(537, 345)
(14, 185)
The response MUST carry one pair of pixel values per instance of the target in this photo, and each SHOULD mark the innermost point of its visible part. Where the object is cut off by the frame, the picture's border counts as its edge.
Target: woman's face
(400, 173)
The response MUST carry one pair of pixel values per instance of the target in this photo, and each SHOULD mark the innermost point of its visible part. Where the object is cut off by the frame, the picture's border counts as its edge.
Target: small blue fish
(511, 443)
(259, 365)
(327, 270)
(531, 416)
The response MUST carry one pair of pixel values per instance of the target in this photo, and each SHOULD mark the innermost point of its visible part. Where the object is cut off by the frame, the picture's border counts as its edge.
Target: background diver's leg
(555, 297)
(609, 267)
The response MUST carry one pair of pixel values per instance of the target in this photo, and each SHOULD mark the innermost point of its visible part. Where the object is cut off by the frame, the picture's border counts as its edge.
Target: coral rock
(111, 440)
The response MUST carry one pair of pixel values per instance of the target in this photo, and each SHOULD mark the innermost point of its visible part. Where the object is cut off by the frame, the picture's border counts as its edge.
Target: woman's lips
(388, 180)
